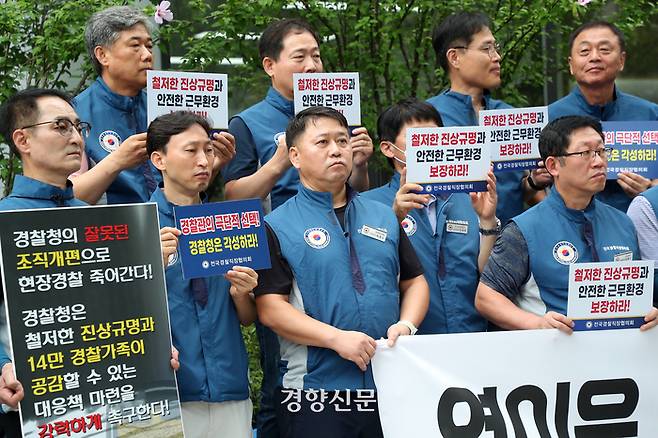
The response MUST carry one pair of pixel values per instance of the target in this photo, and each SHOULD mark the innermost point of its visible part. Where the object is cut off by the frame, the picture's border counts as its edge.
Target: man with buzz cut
(597, 55)
(526, 281)
(116, 166)
(261, 168)
(205, 313)
(343, 274)
(468, 52)
(452, 234)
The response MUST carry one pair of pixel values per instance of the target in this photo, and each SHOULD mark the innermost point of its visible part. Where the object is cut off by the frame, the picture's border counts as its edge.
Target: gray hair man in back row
(120, 46)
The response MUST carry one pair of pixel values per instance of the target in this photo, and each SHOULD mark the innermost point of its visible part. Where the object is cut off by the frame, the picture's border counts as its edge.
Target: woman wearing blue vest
(525, 284)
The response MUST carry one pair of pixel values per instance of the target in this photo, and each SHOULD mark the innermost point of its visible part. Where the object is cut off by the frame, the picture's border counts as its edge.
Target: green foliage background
(387, 41)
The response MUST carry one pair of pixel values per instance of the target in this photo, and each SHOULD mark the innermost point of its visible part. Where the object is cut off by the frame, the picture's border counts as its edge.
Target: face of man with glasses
(477, 64)
(583, 166)
(52, 145)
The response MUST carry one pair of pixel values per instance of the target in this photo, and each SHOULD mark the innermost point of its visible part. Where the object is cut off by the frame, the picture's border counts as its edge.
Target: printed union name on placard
(446, 160)
(610, 295)
(514, 136)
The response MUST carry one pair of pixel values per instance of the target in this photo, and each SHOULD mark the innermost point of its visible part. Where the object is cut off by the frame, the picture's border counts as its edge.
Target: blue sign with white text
(634, 148)
(217, 236)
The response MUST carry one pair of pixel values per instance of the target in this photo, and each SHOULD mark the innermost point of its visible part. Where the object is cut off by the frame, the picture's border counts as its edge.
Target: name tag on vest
(375, 233)
(460, 227)
(624, 256)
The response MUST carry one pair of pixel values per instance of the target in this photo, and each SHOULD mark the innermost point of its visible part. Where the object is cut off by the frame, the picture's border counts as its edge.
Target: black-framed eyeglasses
(489, 49)
(65, 127)
(603, 153)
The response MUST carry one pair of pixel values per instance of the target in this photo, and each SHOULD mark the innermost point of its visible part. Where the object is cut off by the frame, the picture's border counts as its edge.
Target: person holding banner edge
(597, 54)
(205, 313)
(442, 229)
(115, 163)
(525, 283)
(343, 274)
(43, 129)
(261, 167)
(468, 52)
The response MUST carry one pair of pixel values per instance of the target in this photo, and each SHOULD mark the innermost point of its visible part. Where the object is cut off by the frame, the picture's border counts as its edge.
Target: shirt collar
(167, 208)
(26, 187)
(124, 103)
(596, 110)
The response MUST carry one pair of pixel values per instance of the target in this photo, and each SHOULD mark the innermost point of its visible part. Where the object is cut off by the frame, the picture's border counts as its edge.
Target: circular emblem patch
(173, 258)
(564, 252)
(109, 140)
(409, 225)
(317, 238)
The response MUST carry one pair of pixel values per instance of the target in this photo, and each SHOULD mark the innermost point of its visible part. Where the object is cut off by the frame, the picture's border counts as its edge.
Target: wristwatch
(491, 231)
(408, 324)
(533, 185)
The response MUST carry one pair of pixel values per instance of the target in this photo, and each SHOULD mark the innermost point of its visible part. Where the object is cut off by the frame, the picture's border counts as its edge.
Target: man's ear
(101, 54)
(453, 58)
(21, 140)
(159, 160)
(552, 166)
(622, 61)
(293, 156)
(387, 149)
(268, 66)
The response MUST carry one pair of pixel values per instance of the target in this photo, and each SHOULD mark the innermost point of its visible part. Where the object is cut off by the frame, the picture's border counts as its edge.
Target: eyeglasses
(603, 153)
(65, 127)
(489, 49)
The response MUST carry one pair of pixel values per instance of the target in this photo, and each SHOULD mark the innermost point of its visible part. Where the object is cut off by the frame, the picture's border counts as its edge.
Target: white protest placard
(610, 295)
(205, 94)
(532, 383)
(333, 90)
(445, 160)
(514, 136)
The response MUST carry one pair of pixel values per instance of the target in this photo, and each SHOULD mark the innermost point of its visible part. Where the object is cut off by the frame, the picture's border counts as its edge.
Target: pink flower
(580, 2)
(162, 12)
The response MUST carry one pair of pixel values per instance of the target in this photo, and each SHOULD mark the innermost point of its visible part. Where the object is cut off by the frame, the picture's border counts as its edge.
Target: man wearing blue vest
(467, 51)
(261, 168)
(597, 54)
(116, 164)
(452, 234)
(206, 312)
(642, 212)
(43, 129)
(343, 274)
(525, 283)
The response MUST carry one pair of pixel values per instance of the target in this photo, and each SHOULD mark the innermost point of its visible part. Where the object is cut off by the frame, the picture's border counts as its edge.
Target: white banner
(534, 383)
(333, 90)
(205, 94)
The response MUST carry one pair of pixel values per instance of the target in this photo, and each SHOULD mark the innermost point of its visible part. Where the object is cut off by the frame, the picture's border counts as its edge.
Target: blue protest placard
(634, 148)
(217, 236)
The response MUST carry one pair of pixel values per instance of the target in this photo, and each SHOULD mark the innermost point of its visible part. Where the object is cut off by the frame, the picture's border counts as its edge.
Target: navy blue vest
(325, 288)
(558, 236)
(449, 257)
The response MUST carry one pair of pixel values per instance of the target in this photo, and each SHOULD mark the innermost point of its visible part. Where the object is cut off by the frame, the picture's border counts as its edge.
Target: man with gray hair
(119, 44)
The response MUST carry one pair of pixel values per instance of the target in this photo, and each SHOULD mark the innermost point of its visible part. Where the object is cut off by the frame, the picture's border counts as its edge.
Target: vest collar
(26, 187)
(124, 103)
(164, 206)
(596, 110)
(467, 100)
(556, 202)
(323, 199)
(279, 102)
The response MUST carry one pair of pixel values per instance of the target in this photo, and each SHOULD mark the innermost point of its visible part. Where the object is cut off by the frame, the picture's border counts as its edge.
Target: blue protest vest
(113, 119)
(558, 236)
(212, 355)
(623, 108)
(449, 257)
(29, 193)
(267, 120)
(346, 279)
(456, 109)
